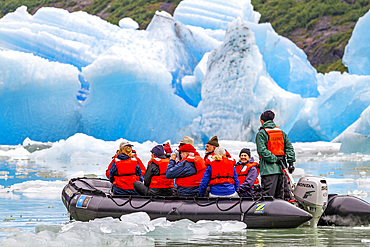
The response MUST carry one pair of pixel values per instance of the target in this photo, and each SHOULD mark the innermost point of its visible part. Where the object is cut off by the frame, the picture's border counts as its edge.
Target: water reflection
(30, 215)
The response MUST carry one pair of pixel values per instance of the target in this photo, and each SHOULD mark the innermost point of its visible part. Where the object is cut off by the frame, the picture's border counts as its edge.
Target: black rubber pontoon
(87, 199)
(343, 210)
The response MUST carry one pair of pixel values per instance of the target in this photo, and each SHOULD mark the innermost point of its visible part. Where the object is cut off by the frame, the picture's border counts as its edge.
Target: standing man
(273, 147)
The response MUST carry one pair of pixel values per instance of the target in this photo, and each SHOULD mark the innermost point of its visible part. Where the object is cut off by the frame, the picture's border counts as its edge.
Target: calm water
(30, 219)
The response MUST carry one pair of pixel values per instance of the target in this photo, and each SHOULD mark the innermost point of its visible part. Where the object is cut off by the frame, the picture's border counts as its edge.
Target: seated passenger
(188, 172)
(142, 167)
(125, 171)
(155, 181)
(247, 171)
(221, 176)
(185, 140)
(210, 147)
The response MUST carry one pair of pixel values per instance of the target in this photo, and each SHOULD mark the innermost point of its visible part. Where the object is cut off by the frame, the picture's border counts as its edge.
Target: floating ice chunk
(359, 193)
(37, 189)
(78, 174)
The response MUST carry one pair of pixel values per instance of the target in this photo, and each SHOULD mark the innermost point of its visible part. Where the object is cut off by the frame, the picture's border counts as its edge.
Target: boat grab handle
(228, 207)
(143, 205)
(203, 205)
(119, 205)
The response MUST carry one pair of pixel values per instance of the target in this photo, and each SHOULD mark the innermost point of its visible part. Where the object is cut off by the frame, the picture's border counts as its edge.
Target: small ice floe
(37, 189)
(358, 193)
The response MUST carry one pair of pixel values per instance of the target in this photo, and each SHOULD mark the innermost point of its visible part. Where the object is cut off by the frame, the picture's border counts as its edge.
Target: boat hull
(344, 210)
(87, 199)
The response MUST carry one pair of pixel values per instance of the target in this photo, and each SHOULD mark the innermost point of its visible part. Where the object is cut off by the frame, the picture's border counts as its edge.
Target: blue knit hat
(158, 151)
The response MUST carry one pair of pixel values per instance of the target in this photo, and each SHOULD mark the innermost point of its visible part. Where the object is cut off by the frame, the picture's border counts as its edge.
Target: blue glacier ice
(357, 53)
(235, 75)
(342, 100)
(37, 98)
(356, 138)
(285, 62)
(211, 69)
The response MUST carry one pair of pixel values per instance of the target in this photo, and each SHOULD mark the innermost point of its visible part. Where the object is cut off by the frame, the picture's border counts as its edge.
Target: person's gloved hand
(291, 168)
(279, 159)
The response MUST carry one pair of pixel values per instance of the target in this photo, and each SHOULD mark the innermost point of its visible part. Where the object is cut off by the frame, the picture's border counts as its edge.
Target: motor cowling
(312, 194)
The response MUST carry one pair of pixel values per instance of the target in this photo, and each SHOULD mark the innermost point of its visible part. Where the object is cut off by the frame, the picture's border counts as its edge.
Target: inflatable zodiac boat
(90, 198)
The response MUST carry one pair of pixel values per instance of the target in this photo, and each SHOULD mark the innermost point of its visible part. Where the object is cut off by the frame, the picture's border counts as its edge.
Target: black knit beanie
(245, 150)
(267, 115)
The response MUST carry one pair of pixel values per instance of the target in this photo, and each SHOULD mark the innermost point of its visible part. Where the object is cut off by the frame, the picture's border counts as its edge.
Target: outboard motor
(312, 194)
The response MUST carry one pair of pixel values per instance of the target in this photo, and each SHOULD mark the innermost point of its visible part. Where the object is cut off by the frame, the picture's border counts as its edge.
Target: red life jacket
(208, 158)
(193, 180)
(126, 173)
(141, 165)
(222, 171)
(242, 174)
(160, 181)
(275, 143)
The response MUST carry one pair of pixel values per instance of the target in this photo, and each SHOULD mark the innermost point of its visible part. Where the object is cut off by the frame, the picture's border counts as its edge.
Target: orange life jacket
(193, 180)
(160, 181)
(242, 174)
(126, 173)
(222, 171)
(275, 143)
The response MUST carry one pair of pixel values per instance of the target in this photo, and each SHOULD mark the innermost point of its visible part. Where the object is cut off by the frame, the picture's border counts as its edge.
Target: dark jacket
(267, 163)
(246, 188)
(153, 170)
(183, 168)
(114, 172)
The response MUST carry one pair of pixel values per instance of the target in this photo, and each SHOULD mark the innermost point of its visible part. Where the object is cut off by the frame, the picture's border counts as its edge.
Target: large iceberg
(37, 98)
(357, 53)
(285, 62)
(138, 106)
(211, 69)
(343, 98)
(236, 89)
(356, 138)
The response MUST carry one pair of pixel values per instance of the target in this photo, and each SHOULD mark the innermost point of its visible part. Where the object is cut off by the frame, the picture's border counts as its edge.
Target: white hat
(124, 144)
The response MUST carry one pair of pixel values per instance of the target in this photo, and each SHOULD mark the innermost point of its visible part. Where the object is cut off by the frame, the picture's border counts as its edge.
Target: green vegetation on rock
(321, 28)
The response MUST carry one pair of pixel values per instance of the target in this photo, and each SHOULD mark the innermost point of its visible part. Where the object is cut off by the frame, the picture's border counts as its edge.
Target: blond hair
(126, 150)
(219, 153)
